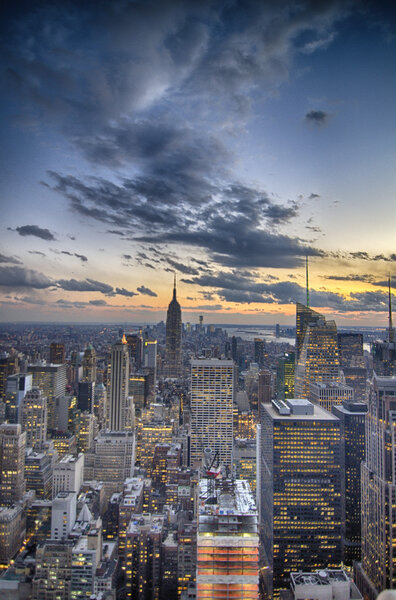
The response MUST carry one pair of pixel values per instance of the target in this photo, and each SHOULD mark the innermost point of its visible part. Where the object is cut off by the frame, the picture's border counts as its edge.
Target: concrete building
(300, 484)
(111, 460)
(326, 584)
(38, 473)
(212, 404)
(63, 516)
(68, 474)
(119, 407)
(329, 394)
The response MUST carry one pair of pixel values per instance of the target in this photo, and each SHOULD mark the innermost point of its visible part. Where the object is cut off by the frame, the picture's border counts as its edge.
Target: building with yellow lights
(300, 481)
(317, 352)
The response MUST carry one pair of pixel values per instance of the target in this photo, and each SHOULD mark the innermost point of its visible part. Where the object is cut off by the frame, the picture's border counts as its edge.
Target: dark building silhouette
(173, 355)
(352, 417)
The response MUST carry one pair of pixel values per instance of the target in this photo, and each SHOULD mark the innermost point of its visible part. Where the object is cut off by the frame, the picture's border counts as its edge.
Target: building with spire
(384, 352)
(317, 358)
(173, 354)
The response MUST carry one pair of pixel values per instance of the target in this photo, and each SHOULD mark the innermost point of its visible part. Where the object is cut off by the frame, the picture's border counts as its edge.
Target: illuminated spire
(123, 341)
(391, 331)
(306, 279)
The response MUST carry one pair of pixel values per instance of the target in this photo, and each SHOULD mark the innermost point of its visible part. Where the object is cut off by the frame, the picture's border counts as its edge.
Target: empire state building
(173, 356)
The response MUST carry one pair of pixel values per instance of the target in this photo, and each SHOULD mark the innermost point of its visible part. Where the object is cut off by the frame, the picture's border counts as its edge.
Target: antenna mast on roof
(306, 279)
(391, 331)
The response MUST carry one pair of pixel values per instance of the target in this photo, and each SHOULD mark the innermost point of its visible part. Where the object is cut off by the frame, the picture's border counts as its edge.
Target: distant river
(249, 333)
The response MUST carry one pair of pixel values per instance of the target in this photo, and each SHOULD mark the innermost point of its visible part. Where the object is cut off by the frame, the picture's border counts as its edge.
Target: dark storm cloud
(233, 223)
(313, 196)
(80, 256)
(34, 230)
(233, 287)
(36, 252)
(127, 256)
(87, 285)
(98, 302)
(20, 277)
(9, 259)
(124, 292)
(362, 255)
(352, 277)
(316, 117)
(146, 291)
(182, 268)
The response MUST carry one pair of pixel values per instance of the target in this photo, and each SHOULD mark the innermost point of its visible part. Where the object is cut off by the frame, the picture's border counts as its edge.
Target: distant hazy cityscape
(190, 461)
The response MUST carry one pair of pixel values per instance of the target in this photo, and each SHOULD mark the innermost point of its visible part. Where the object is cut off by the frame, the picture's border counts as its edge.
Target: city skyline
(223, 141)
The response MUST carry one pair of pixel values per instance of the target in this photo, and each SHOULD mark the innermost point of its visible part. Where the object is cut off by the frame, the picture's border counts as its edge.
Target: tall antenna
(306, 279)
(174, 285)
(391, 331)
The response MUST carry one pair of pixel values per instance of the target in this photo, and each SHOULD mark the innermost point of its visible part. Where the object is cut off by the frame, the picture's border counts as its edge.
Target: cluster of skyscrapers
(179, 463)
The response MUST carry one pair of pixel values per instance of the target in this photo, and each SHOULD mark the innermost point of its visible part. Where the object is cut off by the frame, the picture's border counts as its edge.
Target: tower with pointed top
(391, 329)
(173, 355)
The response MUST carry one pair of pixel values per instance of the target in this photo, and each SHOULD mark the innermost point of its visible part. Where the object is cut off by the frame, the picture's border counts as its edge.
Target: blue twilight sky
(222, 140)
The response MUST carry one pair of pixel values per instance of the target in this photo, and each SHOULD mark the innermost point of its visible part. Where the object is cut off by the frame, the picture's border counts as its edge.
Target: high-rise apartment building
(173, 353)
(52, 578)
(119, 403)
(227, 541)
(212, 399)
(34, 418)
(12, 462)
(300, 481)
(352, 416)
(317, 351)
(379, 487)
(143, 556)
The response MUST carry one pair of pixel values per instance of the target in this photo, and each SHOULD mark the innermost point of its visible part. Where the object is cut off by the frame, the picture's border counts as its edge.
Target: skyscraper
(300, 508)
(51, 379)
(173, 355)
(212, 398)
(34, 418)
(317, 351)
(119, 404)
(12, 463)
(379, 488)
(352, 417)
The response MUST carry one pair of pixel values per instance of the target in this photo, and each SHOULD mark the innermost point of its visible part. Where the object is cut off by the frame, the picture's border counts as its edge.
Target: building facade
(300, 485)
(212, 399)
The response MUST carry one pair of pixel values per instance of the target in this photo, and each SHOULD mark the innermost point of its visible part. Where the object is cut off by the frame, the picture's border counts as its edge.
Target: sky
(223, 141)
